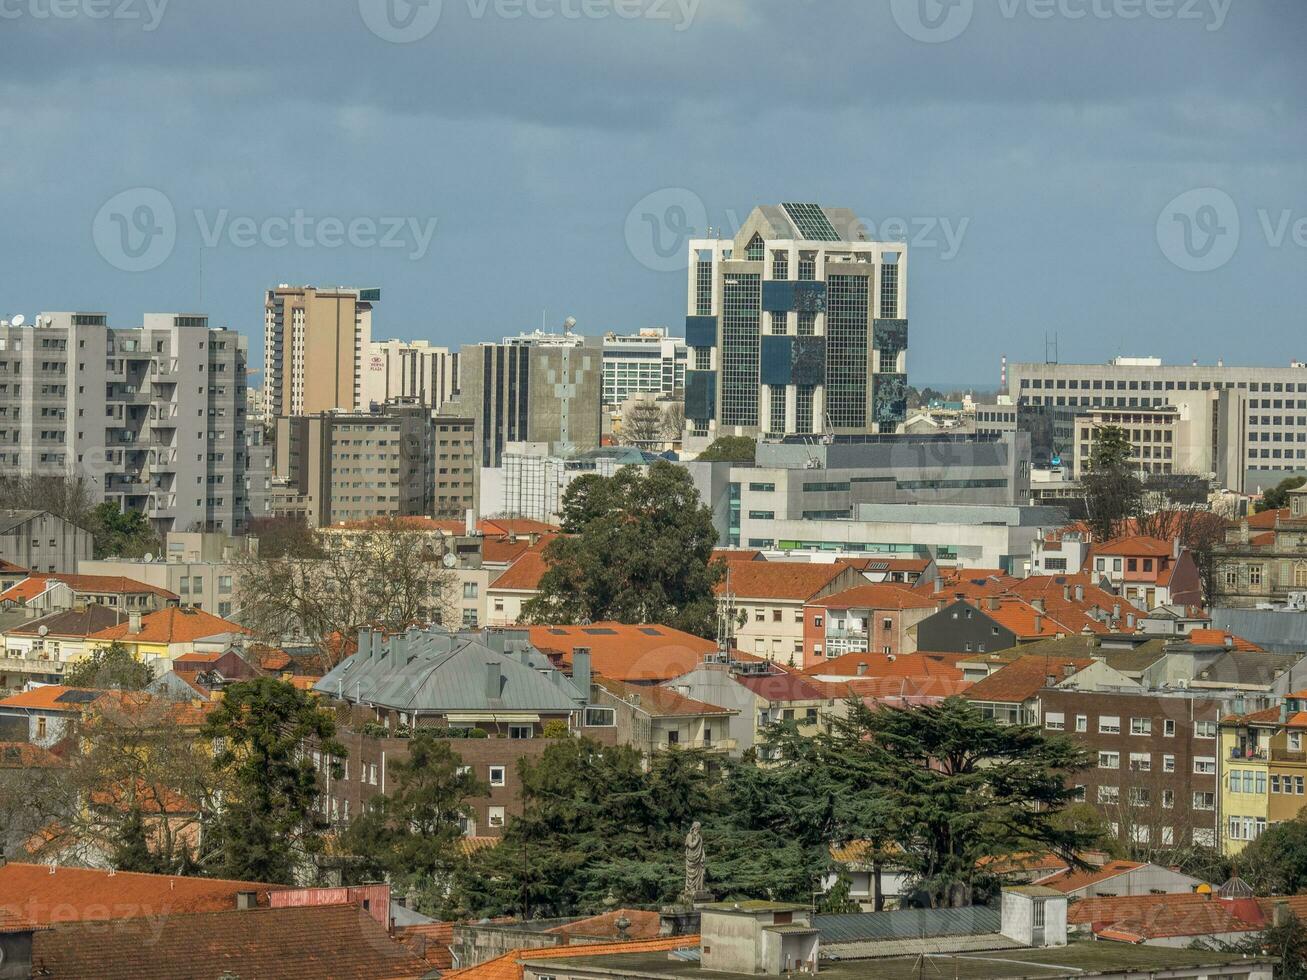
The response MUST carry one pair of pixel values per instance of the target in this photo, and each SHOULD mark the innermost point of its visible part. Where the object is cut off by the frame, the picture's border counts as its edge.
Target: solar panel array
(812, 222)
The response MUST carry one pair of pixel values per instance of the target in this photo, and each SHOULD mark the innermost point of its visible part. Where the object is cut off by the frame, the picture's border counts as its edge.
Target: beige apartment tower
(315, 342)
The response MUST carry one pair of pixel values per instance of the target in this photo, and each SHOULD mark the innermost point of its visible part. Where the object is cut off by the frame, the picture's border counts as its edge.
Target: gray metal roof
(10, 519)
(435, 672)
(1272, 629)
(858, 927)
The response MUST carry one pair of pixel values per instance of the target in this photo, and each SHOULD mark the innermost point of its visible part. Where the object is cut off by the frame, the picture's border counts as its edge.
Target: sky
(1127, 176)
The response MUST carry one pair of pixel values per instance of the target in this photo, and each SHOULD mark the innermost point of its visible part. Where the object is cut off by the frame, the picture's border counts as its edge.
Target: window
(1295, 741)
(1141, 762)
(497, 776)
(673, 738)
(1082, 723)
(1109, 760)
(1168, 763)
(495, 816)
(519, 731)
(1204, 801)
(1140, 796)
(469, 590)
(1204, 765)
(1141, 726)
(1108, 794)
(224, 584)
(1109, 724)
(1168, 728)
(600, 717)
(1055, 721)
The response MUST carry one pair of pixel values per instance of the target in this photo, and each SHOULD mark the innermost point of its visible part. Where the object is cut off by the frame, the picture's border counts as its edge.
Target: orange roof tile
(1135, 545)
(782, 580)
(1024, 678)
(877, 595)
(25, 755)
(661, 702)
(509, 965)
(524, 574)
(626, 653)
(1217, 638)
(516, 525)
(171, 625)
(643, 925)
(1074, 879)
(67, 894)
(48, 697)
(1267, 519)
(873, 665)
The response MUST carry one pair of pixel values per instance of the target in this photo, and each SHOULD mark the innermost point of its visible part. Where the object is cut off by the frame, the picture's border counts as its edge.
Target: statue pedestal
(678, 920)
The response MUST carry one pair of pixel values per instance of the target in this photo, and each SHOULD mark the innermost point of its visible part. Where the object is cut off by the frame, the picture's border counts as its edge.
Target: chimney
(1280, 917)
(1080, 593)
(1244, 535)
(1038, 603)
(134, 622)
(1066, 593)
(581, 671)
(1229, 641)
(470, 522)
(994, 603)
(1116, 610)
(1130, 621)
(862, 668)
(1039, 623)
(246, 901)
(494, 678)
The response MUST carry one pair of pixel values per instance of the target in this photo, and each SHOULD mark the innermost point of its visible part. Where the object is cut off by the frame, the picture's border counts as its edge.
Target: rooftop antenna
(1050, 348)
(726, 620)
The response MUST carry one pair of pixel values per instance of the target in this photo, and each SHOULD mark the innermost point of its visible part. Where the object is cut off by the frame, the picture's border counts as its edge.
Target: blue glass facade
(700, 395)
(701, 331)
(788, 297)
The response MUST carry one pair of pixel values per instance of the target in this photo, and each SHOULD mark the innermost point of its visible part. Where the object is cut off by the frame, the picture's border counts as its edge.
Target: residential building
(1154, 772)
(409, 370)
(355, 466)
(44, 715)
(797, 325)
(998, 622)
(159, 638)
(1015, 695)
(870, 617)
(1247, 425)
(315, 342)
(1117, 878)
(1148, 572)
(39, 541)
(1264, 769)
(633, 654)
(1159, 439)
(767, 600)
(646, 361)
(455, 491)
(1258, 566)
(51, 593)
(201, 570)
(522, 391)
(37, 650)
(652, 718)
(513, 588)
(532, 478)
(11, 575)
(152, 416)
(1178, 920)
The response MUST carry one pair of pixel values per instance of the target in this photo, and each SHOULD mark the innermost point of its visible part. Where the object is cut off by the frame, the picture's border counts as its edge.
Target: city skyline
(1060, 222)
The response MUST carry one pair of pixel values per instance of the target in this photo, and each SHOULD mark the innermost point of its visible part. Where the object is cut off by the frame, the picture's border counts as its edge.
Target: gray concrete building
(353, 466)
(153, 417)
(42, 542)
(529, 390)
(796, 325)
(1246, 426)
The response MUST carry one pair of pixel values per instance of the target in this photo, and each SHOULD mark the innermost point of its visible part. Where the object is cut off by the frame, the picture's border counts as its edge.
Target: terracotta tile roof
(851, 665)
(326, 942)
(623, 652)
(524, 574)
(509, 966)
(1073, 879)
(1024, 678)
(68, 894)
(1217, 638)
(430, 941)
(782, 687)
(877, 595)
(644, 925)
(1266, 520)
(1139, 918)
(660, 702)
(795, 581)
(470, 845)
(26, 590)
(25, 755)
(893, 689)
(503, 551)
(1136, 546)
(270, 658)
(53, 697)
(171, 625)
(516, 525)
(1025, 862)
(9, 568)
(108, 584)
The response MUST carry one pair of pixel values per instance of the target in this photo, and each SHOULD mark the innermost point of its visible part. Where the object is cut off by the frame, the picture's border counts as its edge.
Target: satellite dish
(42, 630)
(149, 557)
(449, 560)
(18, 320)
(568, 325)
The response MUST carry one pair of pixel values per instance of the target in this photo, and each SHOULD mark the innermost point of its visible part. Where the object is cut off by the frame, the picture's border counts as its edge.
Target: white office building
(413, 370)
(647, 362)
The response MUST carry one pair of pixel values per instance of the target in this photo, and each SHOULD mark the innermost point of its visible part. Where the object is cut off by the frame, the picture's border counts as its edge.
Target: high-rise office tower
(152, 417)
(411, 370)
(314, 345)
(531, 389)
(797, 325)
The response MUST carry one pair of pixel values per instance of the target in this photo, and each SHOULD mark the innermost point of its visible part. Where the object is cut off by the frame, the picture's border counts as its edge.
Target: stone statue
(694, 863)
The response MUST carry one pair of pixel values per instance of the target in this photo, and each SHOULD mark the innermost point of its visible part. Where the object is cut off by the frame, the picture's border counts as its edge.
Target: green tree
(412, 834)
(267, 828)
(131, 847)
(1112, 488)
(950, 786)
(122, 534)
(1287, 942)
(111, 668)
(638, 550)
(1277, 497)
(729, 449)
(1276, 863)
(838, 900)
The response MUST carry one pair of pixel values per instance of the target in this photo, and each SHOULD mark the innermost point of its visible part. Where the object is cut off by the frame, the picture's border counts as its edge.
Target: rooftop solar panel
(811, 222)
(599, 631)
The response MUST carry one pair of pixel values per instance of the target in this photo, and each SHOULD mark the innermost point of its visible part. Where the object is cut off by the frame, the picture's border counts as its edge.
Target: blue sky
(497, 162)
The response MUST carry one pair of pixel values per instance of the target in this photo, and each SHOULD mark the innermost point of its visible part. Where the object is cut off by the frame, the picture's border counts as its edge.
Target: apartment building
(353, 466)
(456, 483)
(410, 370)
(1245, 425)
(796, 325)
(153, 417)
(648, 361)
(768, 600)
(529, 390)
(1264, 769)
(201, 570)
(1267, 564)
(869, 617)
(315, 342)
(532, 479)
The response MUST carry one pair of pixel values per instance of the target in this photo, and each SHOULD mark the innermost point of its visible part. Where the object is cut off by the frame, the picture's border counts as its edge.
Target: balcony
(1285, 755)
(1248, 755)
(715, 745)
